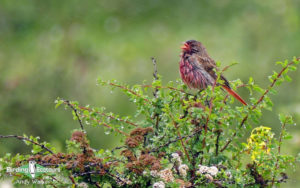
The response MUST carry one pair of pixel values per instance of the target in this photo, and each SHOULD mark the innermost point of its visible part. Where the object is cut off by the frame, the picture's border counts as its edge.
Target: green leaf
(292, 68)
(251, 81)
(282, 118)
(257, 88)
(296, 60)
(74, 115)
(86, 113)
(287, 137)
(58, 102)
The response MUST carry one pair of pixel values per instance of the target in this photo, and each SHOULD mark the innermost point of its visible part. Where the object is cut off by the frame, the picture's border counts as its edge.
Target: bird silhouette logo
(32, 168)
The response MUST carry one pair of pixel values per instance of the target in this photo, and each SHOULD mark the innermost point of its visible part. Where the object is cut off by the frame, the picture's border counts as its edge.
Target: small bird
(197, 68)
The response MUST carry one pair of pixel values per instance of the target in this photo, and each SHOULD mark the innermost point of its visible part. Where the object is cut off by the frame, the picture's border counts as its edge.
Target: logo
(33, 170)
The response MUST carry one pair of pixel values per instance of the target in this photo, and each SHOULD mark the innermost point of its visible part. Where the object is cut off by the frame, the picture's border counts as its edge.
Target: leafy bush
(175, 139)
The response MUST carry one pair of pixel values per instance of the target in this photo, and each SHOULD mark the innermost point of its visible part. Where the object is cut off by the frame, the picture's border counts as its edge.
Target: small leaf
(292, 68)
(287, 78)
(282, 118)
(86, 113)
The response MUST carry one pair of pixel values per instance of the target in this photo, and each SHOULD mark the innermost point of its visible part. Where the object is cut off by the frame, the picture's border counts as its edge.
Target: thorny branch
(53, 178)
(72, 180)
(110, 116)
(217, 141)
(89, 171)
(156, 115)
(168, 87)
(76, 113)
(176, 140)
(108, 126)
(258, 102)
(155, 75)
(279, 148)
(29, 140)
(93, 119)
(119, 179)
(182, 143)
(179, 135)
(208, 117)
(129, 90)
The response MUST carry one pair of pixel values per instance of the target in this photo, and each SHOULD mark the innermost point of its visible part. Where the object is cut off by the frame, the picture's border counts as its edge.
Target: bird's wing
(209, 65)
(200, 74)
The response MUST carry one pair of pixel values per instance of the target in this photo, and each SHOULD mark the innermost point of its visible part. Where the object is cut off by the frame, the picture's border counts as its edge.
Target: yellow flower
(259, 142)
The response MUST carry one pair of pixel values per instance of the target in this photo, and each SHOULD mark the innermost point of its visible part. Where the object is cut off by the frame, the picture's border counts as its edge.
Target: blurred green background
(51, 49)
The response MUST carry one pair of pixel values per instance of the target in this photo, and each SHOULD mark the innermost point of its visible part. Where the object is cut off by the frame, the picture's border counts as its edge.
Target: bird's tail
(234, 94)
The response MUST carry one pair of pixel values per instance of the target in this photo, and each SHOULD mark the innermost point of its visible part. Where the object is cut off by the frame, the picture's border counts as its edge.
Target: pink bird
(197, 68)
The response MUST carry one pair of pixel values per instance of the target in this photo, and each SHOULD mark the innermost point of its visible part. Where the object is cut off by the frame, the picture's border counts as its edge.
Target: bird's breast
(186, 72)
(194, 76)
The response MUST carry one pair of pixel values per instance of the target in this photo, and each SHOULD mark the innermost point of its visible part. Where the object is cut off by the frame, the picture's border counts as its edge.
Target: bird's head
(193, 46)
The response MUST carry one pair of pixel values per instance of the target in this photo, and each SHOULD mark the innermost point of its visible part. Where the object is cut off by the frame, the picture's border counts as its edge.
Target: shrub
(175, 139)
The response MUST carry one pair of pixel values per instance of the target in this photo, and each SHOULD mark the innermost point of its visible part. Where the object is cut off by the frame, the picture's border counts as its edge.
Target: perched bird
(197, 68)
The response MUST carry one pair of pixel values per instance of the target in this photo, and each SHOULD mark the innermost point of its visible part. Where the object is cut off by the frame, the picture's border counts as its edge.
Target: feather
(234, 94)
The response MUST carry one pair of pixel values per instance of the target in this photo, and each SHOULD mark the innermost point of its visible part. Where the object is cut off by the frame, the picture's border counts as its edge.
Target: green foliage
(175, 138)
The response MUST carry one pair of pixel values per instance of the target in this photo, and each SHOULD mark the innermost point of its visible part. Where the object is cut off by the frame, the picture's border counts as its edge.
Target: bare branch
(29, 140)
(76, 113)
(129, 90)
(156, 115)
(108, 126)
(110, 116)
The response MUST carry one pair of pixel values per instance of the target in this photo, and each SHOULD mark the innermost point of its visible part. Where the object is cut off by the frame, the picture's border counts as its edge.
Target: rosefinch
(197, 68)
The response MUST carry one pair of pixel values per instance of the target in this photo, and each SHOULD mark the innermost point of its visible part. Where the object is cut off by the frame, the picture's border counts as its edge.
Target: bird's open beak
(185, 47)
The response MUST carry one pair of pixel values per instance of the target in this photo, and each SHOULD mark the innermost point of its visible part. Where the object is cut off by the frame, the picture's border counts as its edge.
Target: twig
(175, 140)
(72, 179)
(85, 173)
(198, 128)
(120, 179)
(129, 90)
(76, 113)
(181, 141)
(208, 117)
(156, 115)
(257, 177)
(155, 75)
(78, 118)
(110, 116)
(156, 123)
(281, 180)
(108, 126)
(278, 150)
(257, 103)
(55, 179)
(91, 181)
(53, 185)
(234, 134)
(227, 67)
(217, 142)
(29, 140)
(217, 183)
(179, 135)
(169, 87)
(274, 81)
(117, 148)
(97, 172)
